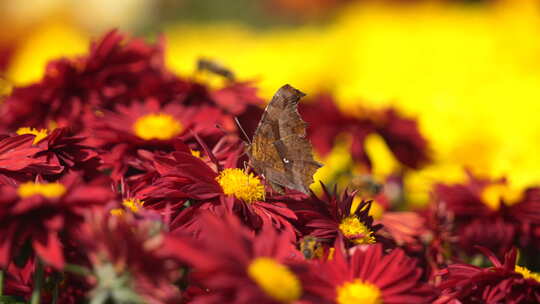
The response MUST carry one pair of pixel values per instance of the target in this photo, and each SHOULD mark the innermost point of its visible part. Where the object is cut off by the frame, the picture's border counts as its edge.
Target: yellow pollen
(39, 134)
(133, 204)
(358, 292)
(493, 194)
(195, 153)
(117, 212)
(356, 231)
(52, 190)
(275, 279)
(527, 274)
(157, 126)
(243, 186)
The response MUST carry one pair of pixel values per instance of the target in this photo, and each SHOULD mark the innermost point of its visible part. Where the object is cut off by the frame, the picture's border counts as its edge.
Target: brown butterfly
(280, 151)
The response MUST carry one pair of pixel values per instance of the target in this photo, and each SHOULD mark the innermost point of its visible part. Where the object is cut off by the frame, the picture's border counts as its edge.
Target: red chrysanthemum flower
(504, 282)
(127, 260)
(332, 216)
(367, 275)
(406, 228)
(437, 251)
(491, 214)
(400, 134)
(233, 265)
(185, 177)
(149, 126)
(62, 149)
(115, 72)
(19, 161)
(42, 213)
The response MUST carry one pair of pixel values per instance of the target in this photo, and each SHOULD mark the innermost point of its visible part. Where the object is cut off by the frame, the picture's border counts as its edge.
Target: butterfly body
(280, 150)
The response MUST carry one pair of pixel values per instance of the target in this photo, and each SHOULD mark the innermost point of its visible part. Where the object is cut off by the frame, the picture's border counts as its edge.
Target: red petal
(51, 252)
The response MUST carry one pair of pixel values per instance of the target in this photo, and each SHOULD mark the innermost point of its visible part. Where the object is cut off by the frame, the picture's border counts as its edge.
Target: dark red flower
(115, 72)
(233, 265)
(491, 214)
(406, 228)
(403, 138)
(149, 126)
(366, 274)
(62, 149)
(127, 260)
(207, 186)
(332, 216)
(400, 134)
(504, 282)
(43, 213)
(19, 161)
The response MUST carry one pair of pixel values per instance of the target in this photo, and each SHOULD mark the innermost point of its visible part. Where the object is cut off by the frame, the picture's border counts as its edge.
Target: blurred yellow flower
(46, 42)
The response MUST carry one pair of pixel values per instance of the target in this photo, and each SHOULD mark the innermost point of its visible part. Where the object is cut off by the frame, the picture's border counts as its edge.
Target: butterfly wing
(279, 150)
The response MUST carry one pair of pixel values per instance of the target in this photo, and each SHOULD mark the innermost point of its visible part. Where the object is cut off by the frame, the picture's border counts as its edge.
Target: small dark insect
(280, 151)
(309, 246)
(204, 64)
(366, 185)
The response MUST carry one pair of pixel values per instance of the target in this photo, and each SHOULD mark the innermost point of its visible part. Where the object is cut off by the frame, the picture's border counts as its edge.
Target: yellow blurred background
(469, 72)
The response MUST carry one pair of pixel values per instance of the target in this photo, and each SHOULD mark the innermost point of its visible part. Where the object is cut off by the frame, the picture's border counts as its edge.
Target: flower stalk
(1, 282)
(38, 283)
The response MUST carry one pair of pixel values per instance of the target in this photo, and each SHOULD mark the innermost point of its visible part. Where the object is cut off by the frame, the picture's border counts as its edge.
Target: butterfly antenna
(242, 129)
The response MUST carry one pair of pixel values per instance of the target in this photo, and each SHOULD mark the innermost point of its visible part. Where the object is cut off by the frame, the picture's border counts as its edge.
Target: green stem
(55, 290)
(1, 282)
(38, 283)
(76, 269)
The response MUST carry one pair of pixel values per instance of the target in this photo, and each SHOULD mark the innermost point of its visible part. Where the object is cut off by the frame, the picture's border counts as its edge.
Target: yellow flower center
(52, 190)
(358, 292)
(275, 279)
(243, 186)
(355, 230)
(39, 134)
(157, 126)
(493, 194)
(527, 274)
(132, 204)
